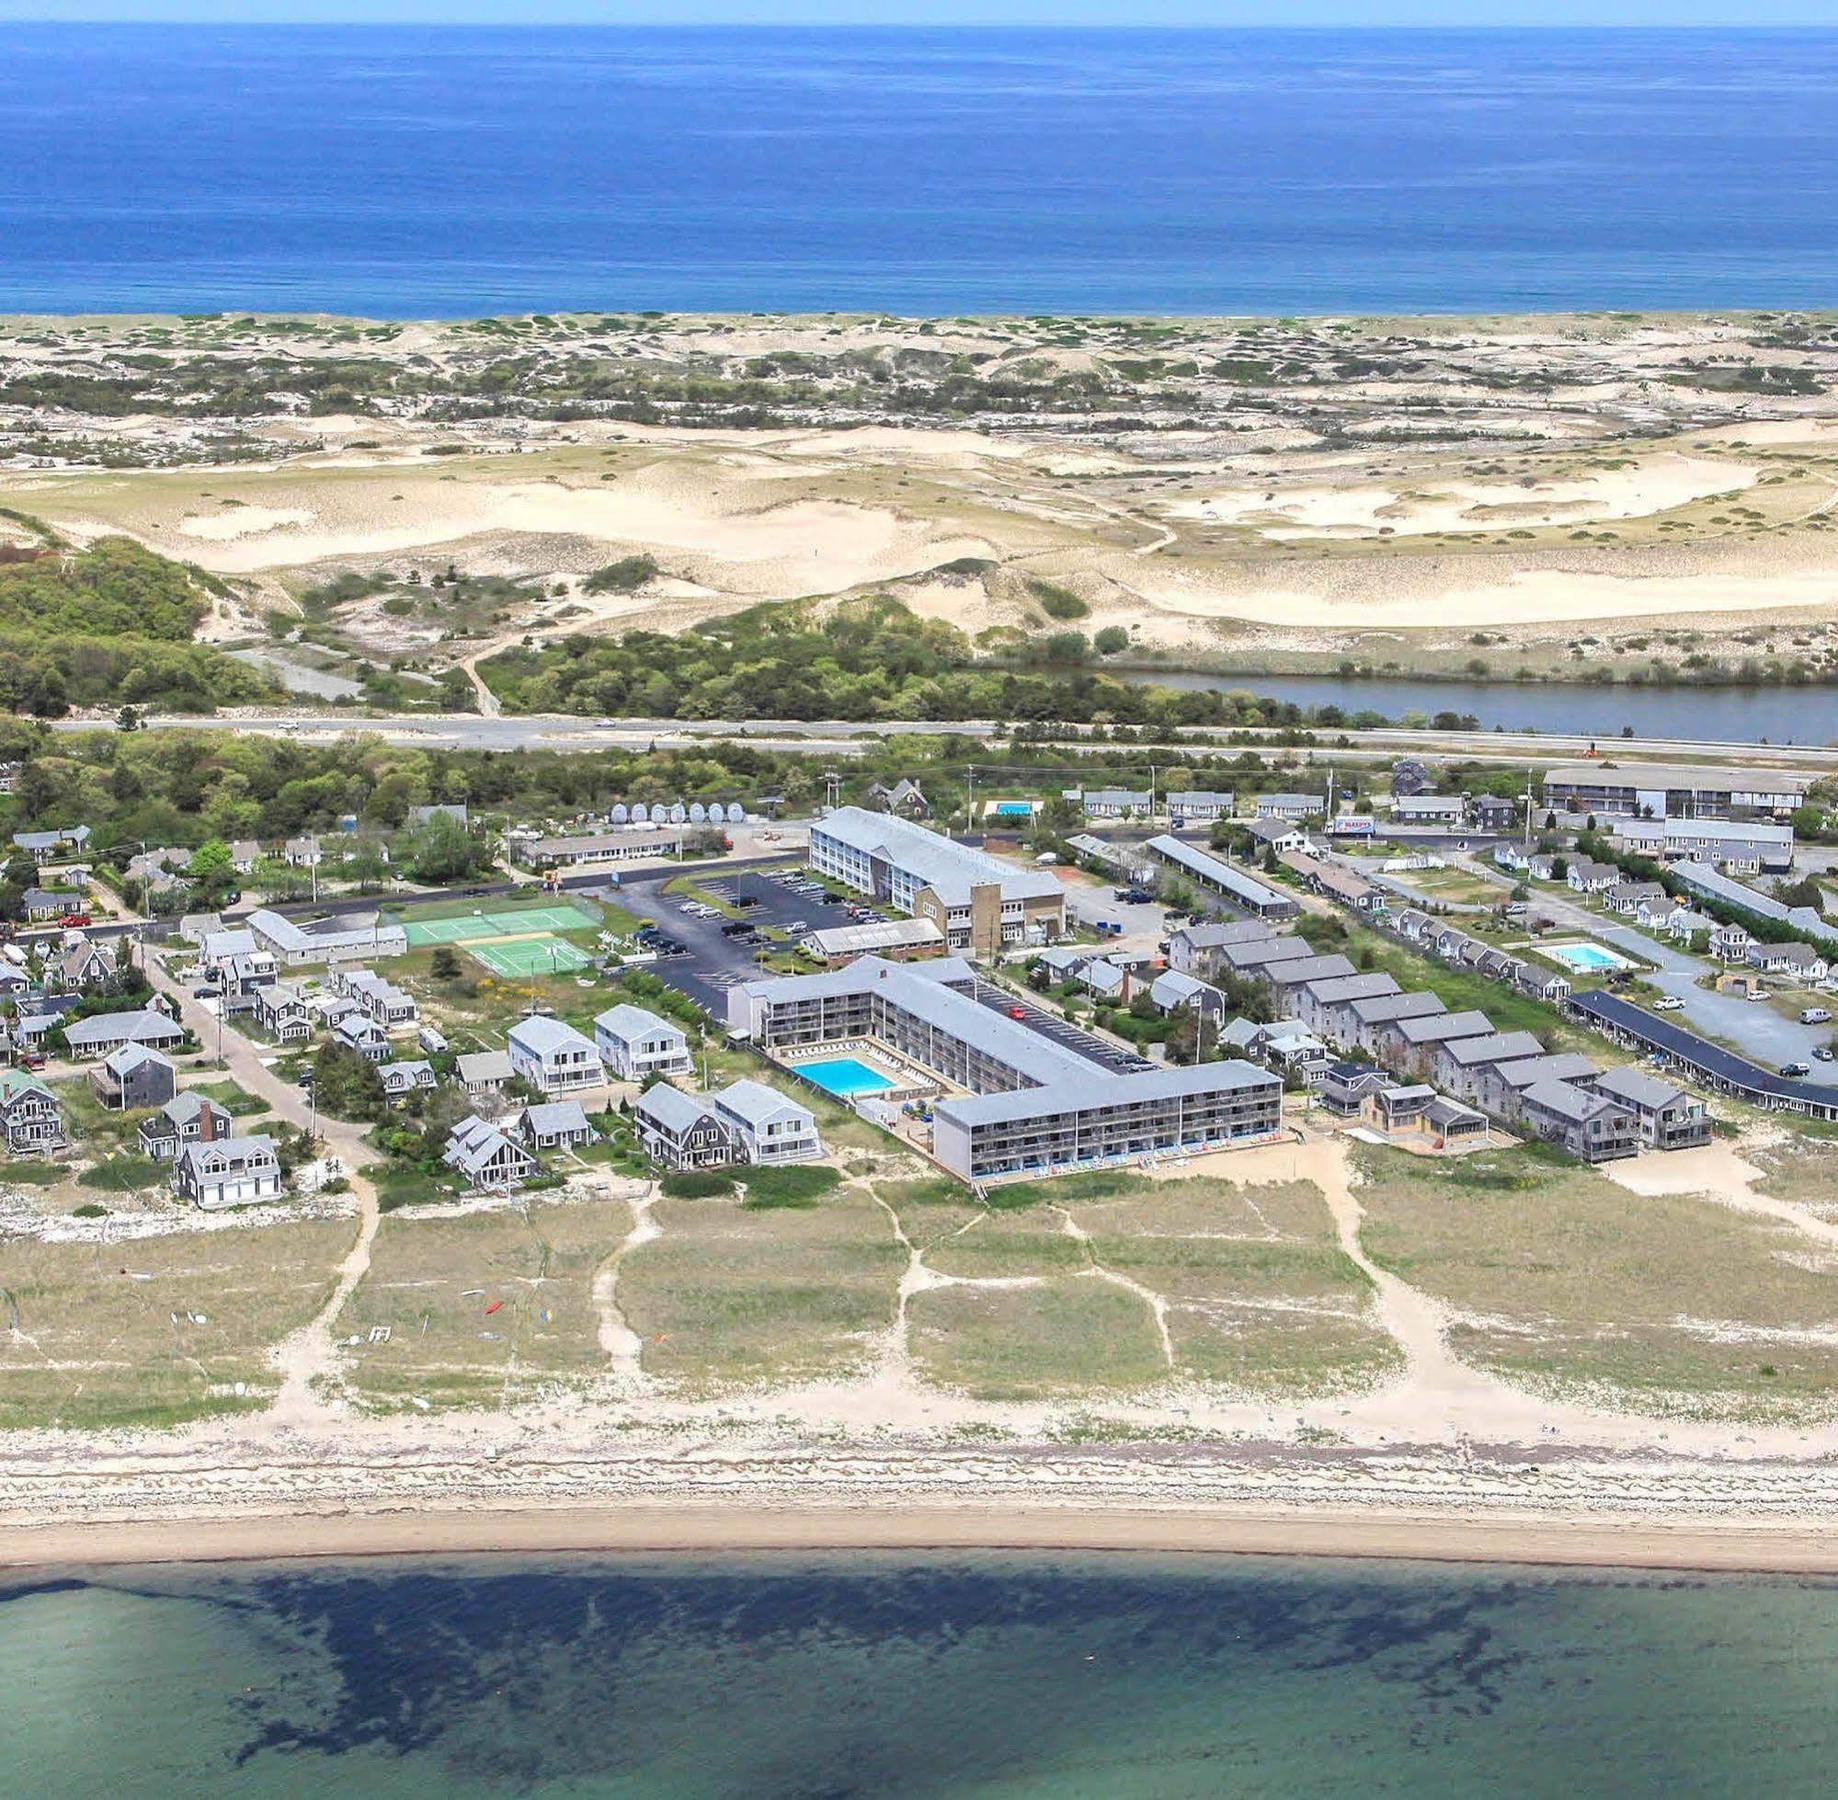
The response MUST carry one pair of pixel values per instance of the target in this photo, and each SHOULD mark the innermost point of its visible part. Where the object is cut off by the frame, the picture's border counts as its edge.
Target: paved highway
(836, 737)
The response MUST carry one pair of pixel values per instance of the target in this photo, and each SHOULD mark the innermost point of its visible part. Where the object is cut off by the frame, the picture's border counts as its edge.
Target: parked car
(1017, 1012)
(1822, 1053)
(1668, 1003)
(1790, 1070)
(1815, 1015)
(74, 920)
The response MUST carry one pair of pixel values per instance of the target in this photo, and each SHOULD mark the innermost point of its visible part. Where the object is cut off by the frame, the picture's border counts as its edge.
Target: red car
(74, 919)
(1017, 1012)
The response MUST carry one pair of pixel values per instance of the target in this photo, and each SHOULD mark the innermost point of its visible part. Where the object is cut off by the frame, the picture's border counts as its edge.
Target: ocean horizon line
(959, 27)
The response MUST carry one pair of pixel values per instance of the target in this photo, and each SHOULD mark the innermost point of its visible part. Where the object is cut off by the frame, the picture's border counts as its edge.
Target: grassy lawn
(444, 1347)
(98, 1348)
(686, 887)
(124, 1175)
(1461, 887)
(730, 1297)
(235, 1100)
(1677, 1306)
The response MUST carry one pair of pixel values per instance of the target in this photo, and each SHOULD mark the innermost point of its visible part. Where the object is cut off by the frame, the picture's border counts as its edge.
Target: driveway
(1753, 1027)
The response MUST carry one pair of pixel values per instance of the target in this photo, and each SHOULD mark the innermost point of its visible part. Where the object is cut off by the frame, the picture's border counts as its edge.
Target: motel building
(1008, 1100)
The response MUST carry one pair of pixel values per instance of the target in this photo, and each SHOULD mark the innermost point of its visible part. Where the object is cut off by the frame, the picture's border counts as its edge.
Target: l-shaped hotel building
(980, 903)
(1026, 1103)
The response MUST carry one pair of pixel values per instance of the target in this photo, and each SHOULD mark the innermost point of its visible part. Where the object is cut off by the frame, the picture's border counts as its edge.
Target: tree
(347, 1085)
(129, 719)
(444, 850)
(210, 862)
(445, 965)
(20, 873)
(1111, 640)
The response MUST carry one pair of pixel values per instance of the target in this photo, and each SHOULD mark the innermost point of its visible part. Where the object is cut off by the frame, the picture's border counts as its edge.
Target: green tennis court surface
(530, 956)
(472, 926)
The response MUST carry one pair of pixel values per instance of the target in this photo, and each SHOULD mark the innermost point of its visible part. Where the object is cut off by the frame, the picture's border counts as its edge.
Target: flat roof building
(1033, 1103)
(1671, 790)
(978, 902)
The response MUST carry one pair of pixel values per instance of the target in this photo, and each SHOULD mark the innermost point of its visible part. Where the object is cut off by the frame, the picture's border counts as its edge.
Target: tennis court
(467, 928)
(530, 956)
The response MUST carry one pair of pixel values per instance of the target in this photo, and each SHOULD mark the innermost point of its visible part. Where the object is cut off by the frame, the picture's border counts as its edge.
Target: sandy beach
(827, 1522)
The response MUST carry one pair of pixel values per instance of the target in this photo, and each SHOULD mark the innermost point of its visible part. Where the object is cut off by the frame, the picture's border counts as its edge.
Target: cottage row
(1507, 1074)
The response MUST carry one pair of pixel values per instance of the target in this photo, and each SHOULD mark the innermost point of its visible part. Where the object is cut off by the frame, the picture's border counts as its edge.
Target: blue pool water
(845, 1077)
(1587, 959)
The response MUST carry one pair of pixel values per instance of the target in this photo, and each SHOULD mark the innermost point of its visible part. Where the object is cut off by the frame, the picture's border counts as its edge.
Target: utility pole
(970, 800)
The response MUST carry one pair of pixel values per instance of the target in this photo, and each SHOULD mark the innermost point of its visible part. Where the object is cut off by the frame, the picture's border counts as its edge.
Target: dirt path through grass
(621, 1343)
(305, 1358)
(1157, 1305)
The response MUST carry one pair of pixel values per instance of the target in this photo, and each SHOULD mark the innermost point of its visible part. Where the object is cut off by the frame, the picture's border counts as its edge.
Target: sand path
(618, 1340)
(306, 1359)
(1156, 1303)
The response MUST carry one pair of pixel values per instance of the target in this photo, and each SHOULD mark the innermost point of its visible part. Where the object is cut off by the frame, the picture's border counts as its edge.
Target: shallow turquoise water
(1112, 1676)
(845, 1077)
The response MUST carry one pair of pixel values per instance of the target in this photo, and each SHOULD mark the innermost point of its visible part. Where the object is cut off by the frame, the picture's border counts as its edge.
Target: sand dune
(1657, 484)
(721, 539)
(1519, 597)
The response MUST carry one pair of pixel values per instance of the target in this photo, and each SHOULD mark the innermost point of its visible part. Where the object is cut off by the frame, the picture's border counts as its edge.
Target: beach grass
(732, 1297)
(1260, 1297)
(1061, 1337)
(1565, 1282)
(98, 1346)
(431, 1282)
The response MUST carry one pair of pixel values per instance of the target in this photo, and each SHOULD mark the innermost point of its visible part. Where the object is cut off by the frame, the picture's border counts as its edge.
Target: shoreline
(1705, 1546)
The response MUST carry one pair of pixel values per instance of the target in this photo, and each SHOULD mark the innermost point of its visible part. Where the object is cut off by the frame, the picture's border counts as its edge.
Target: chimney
(207, 1124)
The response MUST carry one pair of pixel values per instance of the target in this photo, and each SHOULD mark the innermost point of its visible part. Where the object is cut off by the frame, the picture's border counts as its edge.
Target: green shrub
(799, 1184)
(697, 1184)
(1058, 602)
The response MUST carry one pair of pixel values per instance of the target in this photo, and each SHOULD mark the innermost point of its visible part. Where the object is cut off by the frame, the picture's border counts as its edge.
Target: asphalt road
(841, 737)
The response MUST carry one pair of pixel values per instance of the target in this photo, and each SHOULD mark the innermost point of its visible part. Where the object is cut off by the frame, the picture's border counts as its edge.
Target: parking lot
(711, 960)
(702, 960)
(1037, 1018)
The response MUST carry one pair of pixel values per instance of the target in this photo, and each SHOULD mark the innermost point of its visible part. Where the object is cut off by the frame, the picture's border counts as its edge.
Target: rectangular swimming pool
(1586, 959)
(844, 1076)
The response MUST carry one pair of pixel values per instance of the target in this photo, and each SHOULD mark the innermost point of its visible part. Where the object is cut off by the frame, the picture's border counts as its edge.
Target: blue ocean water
(752, 1677)
(402, 171)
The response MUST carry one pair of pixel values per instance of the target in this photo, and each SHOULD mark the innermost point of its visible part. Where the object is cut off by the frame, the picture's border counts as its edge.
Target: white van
(1815, 1015)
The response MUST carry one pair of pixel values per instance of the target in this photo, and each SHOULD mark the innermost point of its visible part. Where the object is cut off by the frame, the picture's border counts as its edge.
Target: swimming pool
(845, 1077)
(1586, 959)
